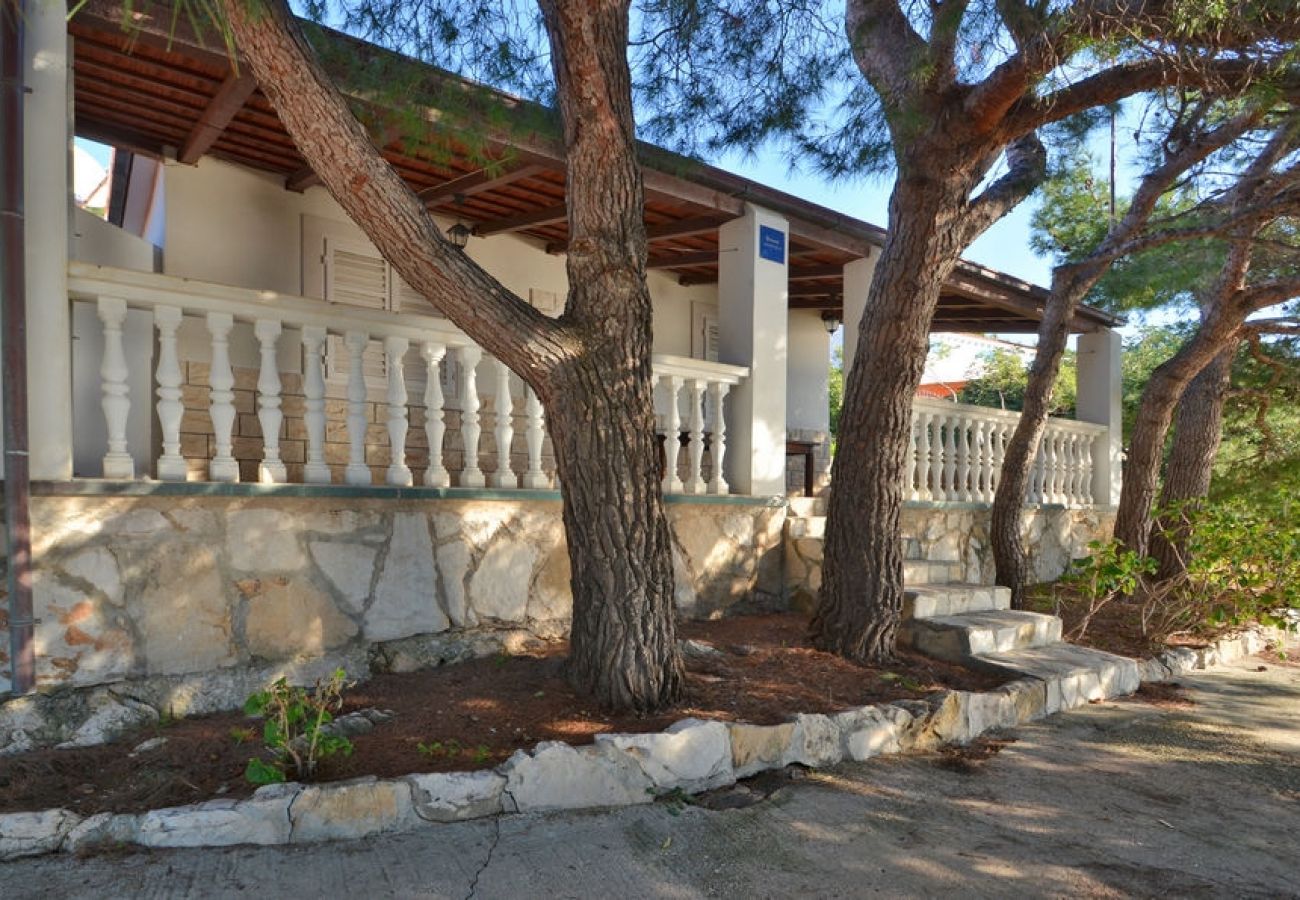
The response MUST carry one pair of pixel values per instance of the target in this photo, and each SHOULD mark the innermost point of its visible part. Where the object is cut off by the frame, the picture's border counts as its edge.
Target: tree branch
(1027, 167)
(885, 47)
(1270, 292)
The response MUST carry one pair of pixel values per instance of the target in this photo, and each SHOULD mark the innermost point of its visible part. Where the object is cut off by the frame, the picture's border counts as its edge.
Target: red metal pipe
(13, 349)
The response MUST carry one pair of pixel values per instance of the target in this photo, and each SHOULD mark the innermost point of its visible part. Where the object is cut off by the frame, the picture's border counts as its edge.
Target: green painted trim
(94, 487)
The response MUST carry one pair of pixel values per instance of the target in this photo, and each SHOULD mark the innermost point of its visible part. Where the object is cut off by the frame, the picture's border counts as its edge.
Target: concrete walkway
(1112, 800)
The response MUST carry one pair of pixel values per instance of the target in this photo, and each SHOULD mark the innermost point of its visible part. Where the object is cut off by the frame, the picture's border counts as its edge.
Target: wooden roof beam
(225, 104)
(535, 219)
(478, 182)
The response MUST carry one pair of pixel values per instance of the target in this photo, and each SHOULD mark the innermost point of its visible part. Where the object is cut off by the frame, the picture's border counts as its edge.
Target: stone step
(807, 506)
(957, 638)
(926, 601)
(1074, 675)
(923, 572)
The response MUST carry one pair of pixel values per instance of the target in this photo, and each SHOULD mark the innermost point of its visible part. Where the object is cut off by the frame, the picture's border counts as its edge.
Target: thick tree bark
(623, 644)
(862, 593)
(1068, 288)
(1151, 425)
(1198, 428)
(591, 368)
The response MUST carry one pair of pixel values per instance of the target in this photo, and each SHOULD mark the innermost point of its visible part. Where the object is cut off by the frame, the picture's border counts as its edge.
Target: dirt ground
(473, 715)
(1126, 799)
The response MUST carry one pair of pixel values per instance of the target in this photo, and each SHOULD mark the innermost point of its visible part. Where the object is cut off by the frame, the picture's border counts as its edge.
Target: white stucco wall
(104, 244)
(233, 225)
(808, 370)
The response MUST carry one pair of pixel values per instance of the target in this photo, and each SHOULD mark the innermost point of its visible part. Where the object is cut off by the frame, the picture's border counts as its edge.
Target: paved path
(1117, 799)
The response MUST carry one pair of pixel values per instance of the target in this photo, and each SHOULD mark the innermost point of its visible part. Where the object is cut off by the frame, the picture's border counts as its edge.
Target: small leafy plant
(240, 735)
(294, 731)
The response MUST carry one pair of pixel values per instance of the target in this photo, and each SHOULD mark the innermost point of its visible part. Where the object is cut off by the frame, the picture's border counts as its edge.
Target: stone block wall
(1053, 535)
(156, 586)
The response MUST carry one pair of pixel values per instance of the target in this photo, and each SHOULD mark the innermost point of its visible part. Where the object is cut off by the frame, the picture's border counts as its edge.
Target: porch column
(46, 135)
(857, 281)
(753, 287)
(1099, 400)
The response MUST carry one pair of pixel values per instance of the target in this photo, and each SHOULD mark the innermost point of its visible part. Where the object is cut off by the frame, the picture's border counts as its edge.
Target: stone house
(254, 450)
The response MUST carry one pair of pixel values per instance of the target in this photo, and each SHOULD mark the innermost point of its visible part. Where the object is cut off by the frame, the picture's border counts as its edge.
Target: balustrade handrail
(150, 289)
(694, 391)
(930, 404)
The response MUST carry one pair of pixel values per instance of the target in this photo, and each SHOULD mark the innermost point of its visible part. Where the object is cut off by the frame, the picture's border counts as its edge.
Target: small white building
(253, 448)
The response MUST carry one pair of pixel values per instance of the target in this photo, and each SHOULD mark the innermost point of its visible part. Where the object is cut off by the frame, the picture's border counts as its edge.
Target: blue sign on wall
(771, 244)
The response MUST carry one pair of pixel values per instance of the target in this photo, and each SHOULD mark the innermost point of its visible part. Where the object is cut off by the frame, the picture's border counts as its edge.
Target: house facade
(255, 451)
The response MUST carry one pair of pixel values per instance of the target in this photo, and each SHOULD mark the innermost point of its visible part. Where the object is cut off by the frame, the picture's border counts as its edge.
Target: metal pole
(13, 348)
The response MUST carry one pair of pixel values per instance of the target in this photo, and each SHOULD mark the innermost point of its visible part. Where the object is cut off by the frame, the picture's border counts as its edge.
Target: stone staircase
(973, 624)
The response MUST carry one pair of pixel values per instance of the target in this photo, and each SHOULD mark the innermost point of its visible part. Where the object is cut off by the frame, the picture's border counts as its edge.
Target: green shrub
(294, 731)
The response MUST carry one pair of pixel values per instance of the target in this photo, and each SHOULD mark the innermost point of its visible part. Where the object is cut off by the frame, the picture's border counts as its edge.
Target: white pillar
(753, 318)
(399, 473)
(269, 415)
(171, 465)
(1100, 396)
(47, 134)
(313, 387)
(857, 281)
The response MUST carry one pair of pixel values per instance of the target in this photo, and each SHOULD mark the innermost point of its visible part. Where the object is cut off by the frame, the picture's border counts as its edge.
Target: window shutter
(709, 337)
(355, 275)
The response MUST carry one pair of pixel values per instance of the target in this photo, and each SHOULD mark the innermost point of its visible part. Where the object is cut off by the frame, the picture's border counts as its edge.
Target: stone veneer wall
(143, 586)
(1053, 535)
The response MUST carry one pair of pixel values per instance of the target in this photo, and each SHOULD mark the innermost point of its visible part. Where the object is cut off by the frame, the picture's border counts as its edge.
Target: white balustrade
(436, 474)
(534, 435)
(269, 415)
(357, 472)
(316, 470)
(503, 408)
(957, 452)
(470, 474)
(221, 399)
(116, 393)
(171, 464)
(341, 387)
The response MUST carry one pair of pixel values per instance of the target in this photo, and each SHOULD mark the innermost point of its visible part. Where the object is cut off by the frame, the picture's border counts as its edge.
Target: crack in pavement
(487, 860)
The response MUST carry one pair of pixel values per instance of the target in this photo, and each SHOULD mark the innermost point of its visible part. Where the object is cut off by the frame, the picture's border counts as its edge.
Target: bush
(1242, 564)
(295, 732)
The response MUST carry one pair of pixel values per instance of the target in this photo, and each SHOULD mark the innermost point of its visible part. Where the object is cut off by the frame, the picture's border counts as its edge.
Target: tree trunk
(1068, 288)
(861, 598)
(623, 642)
(1151, 425)
(591, 369)
(1198, 427)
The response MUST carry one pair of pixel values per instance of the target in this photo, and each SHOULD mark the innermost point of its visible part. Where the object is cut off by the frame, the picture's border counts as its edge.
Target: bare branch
(1027, 167)
(885, 47)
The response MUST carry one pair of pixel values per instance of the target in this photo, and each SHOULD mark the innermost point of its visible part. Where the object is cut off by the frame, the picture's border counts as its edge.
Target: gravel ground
(1123, 799)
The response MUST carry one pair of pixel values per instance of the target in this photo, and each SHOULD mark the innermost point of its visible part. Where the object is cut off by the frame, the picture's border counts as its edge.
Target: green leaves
(294, 731)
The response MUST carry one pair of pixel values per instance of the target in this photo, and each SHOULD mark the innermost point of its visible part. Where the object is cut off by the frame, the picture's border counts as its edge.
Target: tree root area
(474, 715)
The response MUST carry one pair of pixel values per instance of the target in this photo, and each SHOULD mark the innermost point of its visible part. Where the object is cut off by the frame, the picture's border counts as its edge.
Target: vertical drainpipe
(13, 349)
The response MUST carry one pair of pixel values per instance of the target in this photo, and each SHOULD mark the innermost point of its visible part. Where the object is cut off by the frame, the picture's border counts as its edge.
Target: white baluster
(471, 475)
(695, 451)
(998, 449)
(116, 402)
(357, 472)
(923, 456)
(271, 470)
(913, 478)
(221, 395)
(1076, 469)
(171, 465)
(672, 484)
(718, 440)
(1052, 468)
(399, 474)
(965, 471)
(1086, 497)
(983, 477)
(503, 406)
(313, 387)
(434, 416)
(535, 434)
(936, 457)
(951, 424)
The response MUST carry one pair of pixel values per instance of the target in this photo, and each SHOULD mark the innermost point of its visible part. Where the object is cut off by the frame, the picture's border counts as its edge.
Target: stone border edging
(617, 770)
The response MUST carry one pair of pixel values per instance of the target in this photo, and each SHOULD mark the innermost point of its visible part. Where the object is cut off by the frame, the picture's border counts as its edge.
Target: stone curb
(617, 770)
